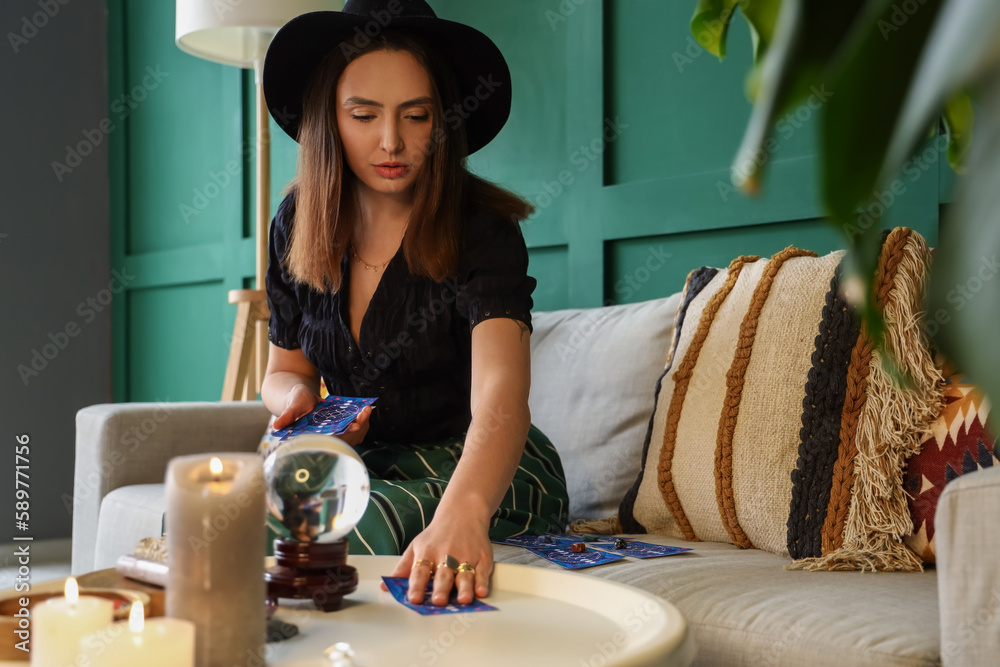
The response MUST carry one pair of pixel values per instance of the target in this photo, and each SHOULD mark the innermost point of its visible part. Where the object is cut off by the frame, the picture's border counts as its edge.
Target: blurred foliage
(887, 72)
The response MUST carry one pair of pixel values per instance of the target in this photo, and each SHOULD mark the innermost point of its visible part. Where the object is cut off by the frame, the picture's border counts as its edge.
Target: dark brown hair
(445, 192)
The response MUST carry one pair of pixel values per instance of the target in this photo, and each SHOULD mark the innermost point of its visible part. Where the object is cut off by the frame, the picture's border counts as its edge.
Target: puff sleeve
(493, 278)
(286, 314)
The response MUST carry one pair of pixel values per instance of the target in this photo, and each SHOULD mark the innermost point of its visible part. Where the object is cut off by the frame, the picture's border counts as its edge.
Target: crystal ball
(317, 487)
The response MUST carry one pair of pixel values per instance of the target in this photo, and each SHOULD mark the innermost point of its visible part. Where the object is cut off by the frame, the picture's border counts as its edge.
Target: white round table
(543, 617)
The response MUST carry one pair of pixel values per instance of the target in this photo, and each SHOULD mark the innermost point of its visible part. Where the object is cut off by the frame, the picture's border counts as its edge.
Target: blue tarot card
(398, 586)
(572, 560)
(641, 549)
(330, 417)
(550, 540)
(540, 541)
(586, 538)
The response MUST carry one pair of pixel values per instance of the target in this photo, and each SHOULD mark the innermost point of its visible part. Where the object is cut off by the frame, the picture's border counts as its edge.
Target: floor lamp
(238, 33)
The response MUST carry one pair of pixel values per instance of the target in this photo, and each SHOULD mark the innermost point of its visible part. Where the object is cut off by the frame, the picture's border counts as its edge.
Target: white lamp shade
(237, 32)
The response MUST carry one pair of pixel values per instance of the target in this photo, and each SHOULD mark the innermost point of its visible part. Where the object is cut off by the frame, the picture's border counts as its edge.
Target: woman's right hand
(299, 402)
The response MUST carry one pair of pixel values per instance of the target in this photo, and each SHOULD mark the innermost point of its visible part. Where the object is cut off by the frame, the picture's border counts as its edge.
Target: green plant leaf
(962, 46)
(868, 85)
(887, 93)
(710, 25)
(861, 265)
(961, 50)
(761, 16)
(850, 59)
(965, 285)
(958, 119)
(807, 36)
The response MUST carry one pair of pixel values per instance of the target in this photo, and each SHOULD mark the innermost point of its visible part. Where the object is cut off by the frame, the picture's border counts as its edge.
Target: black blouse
(415, 351)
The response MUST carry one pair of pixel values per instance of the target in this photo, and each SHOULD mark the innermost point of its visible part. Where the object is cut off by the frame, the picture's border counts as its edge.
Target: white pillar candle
(57, 624)
(158, 642)
(216, 544)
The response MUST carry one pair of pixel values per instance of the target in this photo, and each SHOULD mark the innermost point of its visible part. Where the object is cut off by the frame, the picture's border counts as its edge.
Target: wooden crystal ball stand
(311, 570)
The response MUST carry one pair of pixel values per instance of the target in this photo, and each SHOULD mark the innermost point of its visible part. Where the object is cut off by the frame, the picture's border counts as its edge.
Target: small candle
(158, 642)
(216, 544)
(58, 624)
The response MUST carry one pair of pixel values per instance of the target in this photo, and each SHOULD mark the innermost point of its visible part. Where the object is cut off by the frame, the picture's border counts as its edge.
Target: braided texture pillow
(775, 425)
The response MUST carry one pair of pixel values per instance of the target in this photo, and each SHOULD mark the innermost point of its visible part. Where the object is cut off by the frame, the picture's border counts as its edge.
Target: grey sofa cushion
(128, 514)
(745, 609)
(593, 375)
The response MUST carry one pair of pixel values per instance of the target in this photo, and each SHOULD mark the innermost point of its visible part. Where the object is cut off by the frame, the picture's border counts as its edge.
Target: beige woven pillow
(775, 425)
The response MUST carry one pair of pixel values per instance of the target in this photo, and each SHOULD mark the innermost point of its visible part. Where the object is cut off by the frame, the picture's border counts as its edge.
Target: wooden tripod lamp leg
(243, 352)
(263, 315)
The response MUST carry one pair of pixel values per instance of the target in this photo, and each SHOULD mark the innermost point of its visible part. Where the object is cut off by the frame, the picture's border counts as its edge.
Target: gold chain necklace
(369, 266)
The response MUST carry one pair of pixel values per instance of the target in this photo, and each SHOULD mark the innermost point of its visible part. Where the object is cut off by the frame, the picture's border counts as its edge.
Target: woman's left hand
(459, 535)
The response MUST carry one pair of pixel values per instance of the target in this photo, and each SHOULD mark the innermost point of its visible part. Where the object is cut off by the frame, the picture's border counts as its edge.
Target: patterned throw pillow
(775, 425)
(959, 443)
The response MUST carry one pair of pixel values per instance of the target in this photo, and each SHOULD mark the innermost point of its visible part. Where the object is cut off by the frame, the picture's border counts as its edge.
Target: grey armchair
(122, 450)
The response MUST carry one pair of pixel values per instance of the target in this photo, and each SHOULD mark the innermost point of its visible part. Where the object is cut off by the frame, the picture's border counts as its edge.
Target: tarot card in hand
(566, 557)
(399, 586)
(330, 417)
(637, 549)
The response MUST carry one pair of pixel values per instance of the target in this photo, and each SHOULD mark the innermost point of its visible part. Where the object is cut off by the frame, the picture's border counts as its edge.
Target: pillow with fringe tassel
(775, 424)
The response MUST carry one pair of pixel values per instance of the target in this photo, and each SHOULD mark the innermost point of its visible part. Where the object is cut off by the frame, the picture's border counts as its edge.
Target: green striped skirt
(408, 480)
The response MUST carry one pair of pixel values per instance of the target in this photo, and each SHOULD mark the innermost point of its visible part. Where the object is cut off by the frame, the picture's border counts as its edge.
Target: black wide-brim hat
(301, 44)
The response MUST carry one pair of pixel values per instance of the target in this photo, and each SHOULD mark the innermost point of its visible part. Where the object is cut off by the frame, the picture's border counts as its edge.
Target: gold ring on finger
(423, 561)
(465, 567)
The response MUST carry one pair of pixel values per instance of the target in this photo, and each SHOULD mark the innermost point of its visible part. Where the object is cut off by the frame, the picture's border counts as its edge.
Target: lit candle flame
(216, 465)
(72, 591)
(136, 617)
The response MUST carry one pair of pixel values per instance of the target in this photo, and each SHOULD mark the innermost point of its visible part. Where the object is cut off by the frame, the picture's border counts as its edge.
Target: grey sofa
(593, 375)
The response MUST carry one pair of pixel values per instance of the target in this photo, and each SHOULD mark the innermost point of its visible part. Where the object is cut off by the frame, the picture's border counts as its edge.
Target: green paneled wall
(621, 134)
(176, 357)
(179, 203)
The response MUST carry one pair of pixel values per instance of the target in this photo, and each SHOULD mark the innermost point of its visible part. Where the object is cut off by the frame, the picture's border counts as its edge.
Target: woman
(393, 272)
